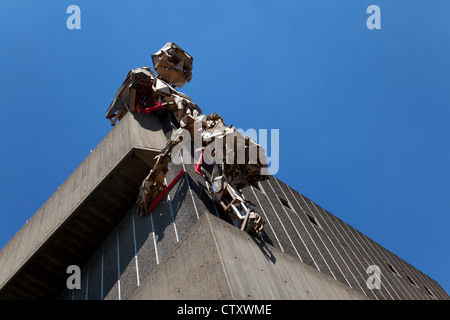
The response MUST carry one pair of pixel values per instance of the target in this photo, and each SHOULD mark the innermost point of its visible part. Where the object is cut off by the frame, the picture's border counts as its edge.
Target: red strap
(157, 106)
(165, 190)
(198, 167)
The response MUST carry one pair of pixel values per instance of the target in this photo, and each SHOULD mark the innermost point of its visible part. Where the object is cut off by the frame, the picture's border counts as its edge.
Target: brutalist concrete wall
(218, 261)
(294, 225)
(313, 235)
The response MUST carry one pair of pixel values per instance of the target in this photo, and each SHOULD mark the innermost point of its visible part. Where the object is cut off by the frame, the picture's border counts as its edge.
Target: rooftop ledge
(92, 200)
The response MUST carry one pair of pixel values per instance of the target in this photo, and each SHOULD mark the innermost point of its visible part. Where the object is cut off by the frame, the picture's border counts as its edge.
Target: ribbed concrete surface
(74, 220)
(218, 261)
(334, 249)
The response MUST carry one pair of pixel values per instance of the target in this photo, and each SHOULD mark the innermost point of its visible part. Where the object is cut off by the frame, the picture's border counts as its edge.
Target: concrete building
(187, 248)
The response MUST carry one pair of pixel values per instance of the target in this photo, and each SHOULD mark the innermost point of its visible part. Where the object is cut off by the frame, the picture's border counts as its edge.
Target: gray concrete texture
(333, 248)
(330, 246)
(135, 141)
(302, 234)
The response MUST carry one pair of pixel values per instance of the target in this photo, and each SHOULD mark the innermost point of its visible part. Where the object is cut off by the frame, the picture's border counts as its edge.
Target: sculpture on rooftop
(144, 92)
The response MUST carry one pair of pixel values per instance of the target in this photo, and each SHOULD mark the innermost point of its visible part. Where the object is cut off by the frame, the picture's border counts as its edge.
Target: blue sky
(363, 114)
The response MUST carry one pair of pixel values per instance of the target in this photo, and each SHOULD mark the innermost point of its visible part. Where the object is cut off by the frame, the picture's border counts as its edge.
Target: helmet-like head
(173, 65)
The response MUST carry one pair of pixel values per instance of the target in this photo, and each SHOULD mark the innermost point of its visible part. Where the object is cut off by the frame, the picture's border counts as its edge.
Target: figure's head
(173, 65)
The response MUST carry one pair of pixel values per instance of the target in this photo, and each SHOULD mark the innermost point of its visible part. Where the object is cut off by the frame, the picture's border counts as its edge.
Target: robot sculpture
(246, 166)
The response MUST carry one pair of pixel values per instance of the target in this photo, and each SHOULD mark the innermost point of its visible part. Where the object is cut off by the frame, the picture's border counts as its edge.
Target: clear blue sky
(363, 114)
